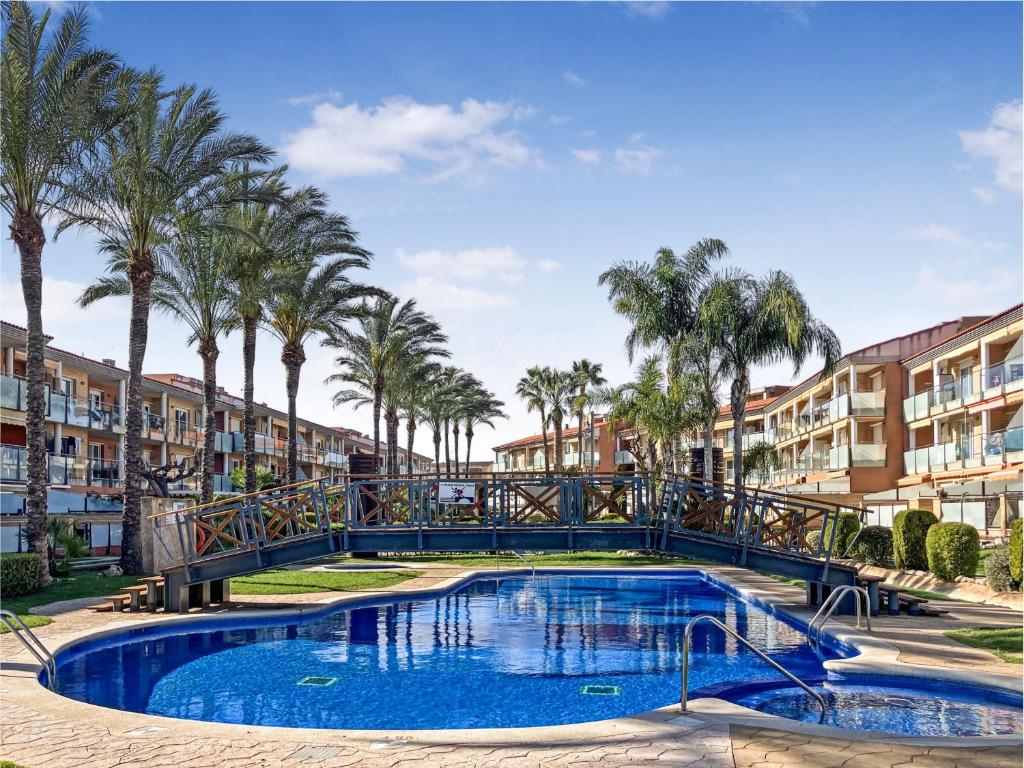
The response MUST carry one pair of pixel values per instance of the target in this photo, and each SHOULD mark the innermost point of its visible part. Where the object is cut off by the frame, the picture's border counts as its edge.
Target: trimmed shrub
(953, 550)
(872, 547)
(813, 537)
(909, 531)
(19, 574)
(849, 524)
(997, 572)
(1015, 554)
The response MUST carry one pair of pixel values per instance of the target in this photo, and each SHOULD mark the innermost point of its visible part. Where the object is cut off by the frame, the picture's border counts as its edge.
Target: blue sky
(497, 157)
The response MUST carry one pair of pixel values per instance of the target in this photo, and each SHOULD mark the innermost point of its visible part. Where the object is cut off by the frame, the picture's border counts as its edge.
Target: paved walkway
(41, 730)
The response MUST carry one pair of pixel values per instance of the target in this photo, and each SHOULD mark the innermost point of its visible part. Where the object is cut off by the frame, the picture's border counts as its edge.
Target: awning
(982, 488)
(898, 494)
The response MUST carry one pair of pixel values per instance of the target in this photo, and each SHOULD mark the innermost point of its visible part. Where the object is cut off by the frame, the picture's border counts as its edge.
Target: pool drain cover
(321, 681)
(600, 690)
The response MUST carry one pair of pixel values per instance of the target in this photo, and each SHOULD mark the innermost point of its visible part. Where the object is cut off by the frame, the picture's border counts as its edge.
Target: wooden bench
(154, 591)
(136, 592)
(871, 583)
(897, 597)
(102, 607)
(117, 601)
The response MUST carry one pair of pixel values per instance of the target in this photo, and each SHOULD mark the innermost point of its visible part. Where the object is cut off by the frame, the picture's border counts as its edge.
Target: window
(95, 399)
(95, 450)
(67, 386)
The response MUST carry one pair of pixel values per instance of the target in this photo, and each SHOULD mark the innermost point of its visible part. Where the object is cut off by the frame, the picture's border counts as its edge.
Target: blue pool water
(894, 705)
(519, 651)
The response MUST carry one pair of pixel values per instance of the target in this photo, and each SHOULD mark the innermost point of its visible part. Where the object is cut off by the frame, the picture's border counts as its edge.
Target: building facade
(85, 439)
(601, 449)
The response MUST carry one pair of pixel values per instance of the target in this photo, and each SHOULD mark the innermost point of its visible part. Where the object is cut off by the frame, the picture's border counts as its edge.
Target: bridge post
(175, 592)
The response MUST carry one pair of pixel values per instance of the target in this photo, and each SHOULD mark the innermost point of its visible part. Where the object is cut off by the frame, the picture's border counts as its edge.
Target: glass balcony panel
(78, 412)
(839, 457)
(868, 454)
(13, 463)
(624, 457)
(12, 393)
(61, 469)
(871, 403)
(104, 472)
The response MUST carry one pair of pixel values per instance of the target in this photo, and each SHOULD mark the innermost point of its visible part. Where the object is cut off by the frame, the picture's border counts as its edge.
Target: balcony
(868, 454)
(918, 406)
(228, 442)
(154, 427)
(183, 433)
(624, 457)
(868, 403)
(996, 448)
(917, 461)
(1003, 377)
(12, 393)
(64, 409)
(335, 459)
(223, 484)
(61, 469)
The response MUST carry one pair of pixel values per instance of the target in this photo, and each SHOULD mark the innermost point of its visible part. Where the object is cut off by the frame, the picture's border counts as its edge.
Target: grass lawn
(554, 558)
(787, 580)
(78, 585)
(1005, 643)
(926, 594)
(985, 553)
(296, 582)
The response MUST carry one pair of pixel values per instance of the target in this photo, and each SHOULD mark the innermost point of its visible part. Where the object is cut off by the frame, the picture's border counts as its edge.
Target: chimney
(110, 361)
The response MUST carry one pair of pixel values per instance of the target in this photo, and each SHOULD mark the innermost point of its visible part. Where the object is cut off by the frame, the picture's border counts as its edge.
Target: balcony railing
(868, 403)
(154, 427)
(625, 457)
(996, 448)
(61, 408)
(61, 469)
(1002, 377)
(335, 459)
(183, 433)
(12, 393)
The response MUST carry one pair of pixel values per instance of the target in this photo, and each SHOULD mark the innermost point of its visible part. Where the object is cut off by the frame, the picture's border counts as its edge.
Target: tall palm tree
(436, 405)
(662, 302)
(313, 296)
(558, 393)
(385, 332)
(462, 397)
(191, 285)
(531, 390)
(262, 224)
(416, 386)
(54, 92)
(585, 375)
(702, 359)
(480, 408)
(162, 165)
(452, 383)
(761, 321)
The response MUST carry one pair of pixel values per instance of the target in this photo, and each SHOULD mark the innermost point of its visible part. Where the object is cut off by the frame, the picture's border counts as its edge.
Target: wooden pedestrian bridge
(674, 515)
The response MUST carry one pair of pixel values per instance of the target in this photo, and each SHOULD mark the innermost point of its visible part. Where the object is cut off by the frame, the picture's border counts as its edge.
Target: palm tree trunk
(140, 276)
(249, 411)
(709, 451)
(378, 396)
(544, 437)
(447, 457)
(579, 440)
(437, 454)
(27, 232)
(455, 446)
(208, 352)
(469, 444)
(558, 445)
(293, 356)
(410, 433)
(738, 401)
(391, 425)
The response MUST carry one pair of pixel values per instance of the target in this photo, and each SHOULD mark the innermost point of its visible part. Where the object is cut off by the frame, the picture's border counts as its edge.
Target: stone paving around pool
(39, 729)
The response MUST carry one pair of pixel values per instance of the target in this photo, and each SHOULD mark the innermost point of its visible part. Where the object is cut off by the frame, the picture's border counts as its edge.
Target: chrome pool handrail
(35, 646)
(832, 604)
(497, 561)
(729, 631)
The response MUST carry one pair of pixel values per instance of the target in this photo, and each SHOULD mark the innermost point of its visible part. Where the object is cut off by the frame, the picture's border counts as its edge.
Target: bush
(872, 547)
(997, 571)
(909, 531)
(813, 538)
(1015, 550)
(953, 550)
(849, 524)
(19, 574)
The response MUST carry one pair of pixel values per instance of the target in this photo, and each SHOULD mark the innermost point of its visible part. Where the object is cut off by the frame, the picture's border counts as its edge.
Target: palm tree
(468, 387)
(662, 302)
(54, 93)
(480, 407)
(585, 374)
(699, 356)
(191, 285)
(164, 164)
(386, 331)
(761, 460)
(312, 297)
(761, 321)
(531, 389)
(558, 391)
(251, 269)
(451, 383)
(416, 386)
(436, 405)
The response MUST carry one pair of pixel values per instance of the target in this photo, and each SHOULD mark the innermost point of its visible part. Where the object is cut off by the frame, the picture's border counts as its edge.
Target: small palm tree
(416, 385)
(435, 408)
(760, 321)
(313, 297)
(161, 166)
(479, 408)
(558, 393)
(386, 331)
(54, 92)
(531, 389)
(586, 375)
(761, 460)
(452, 383)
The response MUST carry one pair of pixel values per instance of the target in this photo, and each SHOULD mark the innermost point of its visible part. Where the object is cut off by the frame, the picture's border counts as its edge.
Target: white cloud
(435, 294)
(650, 9)
(986, 195)
(313, 98)
(471, 265)
(576, 81)
(1000, 141)
(62, 316)
(587, 156)
(966, 286)
(938, 233)
(452, 141)
(548, 265)
(797, 12)
(638, 160)
(559, 119)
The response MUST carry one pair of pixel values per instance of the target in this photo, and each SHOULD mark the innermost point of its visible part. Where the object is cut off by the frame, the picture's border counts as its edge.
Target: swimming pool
(495, 652)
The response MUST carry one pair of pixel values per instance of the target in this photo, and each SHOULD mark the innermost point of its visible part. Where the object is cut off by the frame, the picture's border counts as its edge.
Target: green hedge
(1015, 550)
(953, 550)
(812, 538)
(872, 547)
(849, 524)
(909, 532)
(997, 571)
(19, 574)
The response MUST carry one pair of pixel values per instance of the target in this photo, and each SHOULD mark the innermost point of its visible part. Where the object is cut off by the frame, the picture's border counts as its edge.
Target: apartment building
(600, 448)
(86, 439)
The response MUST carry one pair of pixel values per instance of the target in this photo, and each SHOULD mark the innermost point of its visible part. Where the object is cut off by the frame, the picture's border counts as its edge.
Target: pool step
(148, 594)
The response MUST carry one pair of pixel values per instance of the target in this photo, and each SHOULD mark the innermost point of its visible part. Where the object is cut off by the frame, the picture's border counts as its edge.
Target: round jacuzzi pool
(890, 704)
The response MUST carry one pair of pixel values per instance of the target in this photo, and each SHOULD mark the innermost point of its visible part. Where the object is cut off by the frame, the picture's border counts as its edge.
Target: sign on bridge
(456, 493)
